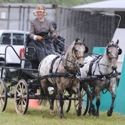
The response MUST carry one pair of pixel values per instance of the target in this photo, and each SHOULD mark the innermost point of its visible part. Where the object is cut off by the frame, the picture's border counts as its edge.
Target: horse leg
(90, 95)
(44, 87)
(92, 107)
(61, 103)
(110, 111)
(112, 90)
(92, 110)
(79, 102)
(86, 88)
(97, 104)
(45, 94)
(97, 94)
(51, 101)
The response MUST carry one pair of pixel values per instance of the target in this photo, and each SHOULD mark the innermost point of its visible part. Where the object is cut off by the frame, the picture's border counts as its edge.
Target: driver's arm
(32, 33)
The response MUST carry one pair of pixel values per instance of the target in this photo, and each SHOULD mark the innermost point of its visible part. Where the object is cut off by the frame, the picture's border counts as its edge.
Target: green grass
(42, 117)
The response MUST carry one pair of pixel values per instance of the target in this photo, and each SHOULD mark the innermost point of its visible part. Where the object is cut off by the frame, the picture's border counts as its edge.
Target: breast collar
(95, 60)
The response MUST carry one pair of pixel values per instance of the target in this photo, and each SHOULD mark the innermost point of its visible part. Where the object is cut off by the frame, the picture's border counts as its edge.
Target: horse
(99, 70)
(69, 63)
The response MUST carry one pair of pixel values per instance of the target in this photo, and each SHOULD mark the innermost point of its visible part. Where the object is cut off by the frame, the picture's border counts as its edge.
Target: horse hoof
(97, 115)
(52, 112)
(109, 113)
(94, 113)
(61, 116)
(78, 112)
(90, 113)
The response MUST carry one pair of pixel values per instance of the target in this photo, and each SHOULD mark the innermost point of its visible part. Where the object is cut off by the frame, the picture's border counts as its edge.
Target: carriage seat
(29, 55)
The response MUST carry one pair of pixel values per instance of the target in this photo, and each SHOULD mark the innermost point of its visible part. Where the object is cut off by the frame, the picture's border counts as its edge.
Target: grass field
(42, 117)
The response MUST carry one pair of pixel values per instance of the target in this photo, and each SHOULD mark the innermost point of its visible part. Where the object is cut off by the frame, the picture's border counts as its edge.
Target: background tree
(59, 2)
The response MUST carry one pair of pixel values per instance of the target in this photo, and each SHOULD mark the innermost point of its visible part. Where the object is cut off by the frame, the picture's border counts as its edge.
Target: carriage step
(46, 97)
(2, 62)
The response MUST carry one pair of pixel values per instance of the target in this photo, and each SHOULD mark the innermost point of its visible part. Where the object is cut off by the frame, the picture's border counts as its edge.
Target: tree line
(58, 2)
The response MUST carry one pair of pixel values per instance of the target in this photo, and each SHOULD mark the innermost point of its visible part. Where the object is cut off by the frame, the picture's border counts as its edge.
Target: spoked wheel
(85, 103)
(3, 96)
(21, 97)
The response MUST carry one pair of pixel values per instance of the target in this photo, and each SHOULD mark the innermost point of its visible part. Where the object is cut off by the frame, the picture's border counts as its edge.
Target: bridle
(109, 53)
(68, 69)
(77, 56)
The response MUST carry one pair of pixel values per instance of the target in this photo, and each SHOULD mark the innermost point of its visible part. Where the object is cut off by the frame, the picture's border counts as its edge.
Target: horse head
(113, 51)
(74, 56)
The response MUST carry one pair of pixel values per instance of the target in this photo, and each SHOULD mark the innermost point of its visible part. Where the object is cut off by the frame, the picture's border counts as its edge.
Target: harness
(95, 60)
(102, 76)
(67, 69)
(51, 68)
(71, 71)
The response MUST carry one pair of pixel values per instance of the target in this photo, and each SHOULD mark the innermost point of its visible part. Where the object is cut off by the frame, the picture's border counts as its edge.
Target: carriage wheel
(3, 96)
(21, 97)
(85, 102)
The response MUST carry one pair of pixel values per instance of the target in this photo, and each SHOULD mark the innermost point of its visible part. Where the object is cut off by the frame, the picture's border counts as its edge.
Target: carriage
(26, 80)
(21, 82)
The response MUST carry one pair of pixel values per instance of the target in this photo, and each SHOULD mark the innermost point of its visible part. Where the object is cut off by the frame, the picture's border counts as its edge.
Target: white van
(11, 41)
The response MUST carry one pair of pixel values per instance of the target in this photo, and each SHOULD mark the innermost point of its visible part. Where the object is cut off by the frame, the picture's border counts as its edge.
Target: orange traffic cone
(34, 103)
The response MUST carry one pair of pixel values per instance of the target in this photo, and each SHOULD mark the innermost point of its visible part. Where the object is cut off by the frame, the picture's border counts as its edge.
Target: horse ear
(84, 40)
(86, 49)
(77, 39)
(119, 51)
(112, 42)
(54, 25)
(109, 42)
(117, 42)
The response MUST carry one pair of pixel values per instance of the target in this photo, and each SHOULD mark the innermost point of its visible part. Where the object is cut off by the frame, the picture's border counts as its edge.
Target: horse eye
(109, 51)
(75, 50)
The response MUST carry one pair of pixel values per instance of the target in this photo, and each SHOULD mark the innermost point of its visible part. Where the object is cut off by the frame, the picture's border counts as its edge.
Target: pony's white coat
(68, 59)
(103, 65)
(45, 65)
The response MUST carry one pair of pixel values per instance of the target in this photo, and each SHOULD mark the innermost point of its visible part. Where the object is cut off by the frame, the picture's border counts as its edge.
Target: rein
(70, 59)
(79, 57)
(66, 67)
(77, 71)
(97, 64)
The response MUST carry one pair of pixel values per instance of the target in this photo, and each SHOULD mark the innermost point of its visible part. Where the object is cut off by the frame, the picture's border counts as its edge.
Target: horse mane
(69, 50)
(69, 57)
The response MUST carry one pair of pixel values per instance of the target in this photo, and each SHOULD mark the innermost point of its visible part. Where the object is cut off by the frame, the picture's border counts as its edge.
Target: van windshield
(18, 39)
(5, 39)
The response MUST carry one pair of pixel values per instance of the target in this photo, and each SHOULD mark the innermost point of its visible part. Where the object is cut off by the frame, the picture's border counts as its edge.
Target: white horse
(69, 63)
(102, 67)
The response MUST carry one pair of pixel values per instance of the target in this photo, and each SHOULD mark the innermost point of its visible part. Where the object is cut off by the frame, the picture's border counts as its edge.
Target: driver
(41, 31)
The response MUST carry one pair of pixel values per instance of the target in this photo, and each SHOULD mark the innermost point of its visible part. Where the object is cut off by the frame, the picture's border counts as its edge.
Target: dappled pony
(103, 67)
(69, 63)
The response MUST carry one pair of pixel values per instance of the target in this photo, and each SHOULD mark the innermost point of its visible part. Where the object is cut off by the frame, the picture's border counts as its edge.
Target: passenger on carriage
(43, 36)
